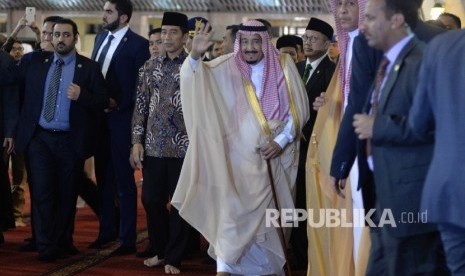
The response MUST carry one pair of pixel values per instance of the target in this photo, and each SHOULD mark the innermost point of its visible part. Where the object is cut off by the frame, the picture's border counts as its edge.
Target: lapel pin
(79, 65)
(396, 68)
(125, 39)
(46, 60)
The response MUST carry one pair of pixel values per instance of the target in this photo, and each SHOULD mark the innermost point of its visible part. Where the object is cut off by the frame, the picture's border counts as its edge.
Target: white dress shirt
(119, 35)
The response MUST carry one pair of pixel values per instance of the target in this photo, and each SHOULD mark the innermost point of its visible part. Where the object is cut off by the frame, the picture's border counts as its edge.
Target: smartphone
(30, 15)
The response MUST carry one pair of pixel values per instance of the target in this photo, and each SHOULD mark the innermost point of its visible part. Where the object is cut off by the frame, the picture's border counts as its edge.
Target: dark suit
(437, 108)
(9, 109)
(401, 160)
(82, 112)
(365, 61)
(318, 82)
(113, 171)
(56, 158)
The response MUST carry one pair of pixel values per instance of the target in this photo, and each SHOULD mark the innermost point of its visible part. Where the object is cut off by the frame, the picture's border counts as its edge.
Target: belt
(51, 130)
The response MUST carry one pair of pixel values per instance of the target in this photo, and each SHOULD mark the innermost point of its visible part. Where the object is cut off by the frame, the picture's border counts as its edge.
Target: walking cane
(280, 229)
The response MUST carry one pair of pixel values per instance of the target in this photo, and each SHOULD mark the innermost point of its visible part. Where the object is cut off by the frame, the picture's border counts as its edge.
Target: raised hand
(201, 41)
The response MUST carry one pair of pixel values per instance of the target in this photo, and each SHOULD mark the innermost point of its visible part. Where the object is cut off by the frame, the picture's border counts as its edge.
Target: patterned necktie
(308, 68)
(54, 85)
(380, 74)
(103, 54)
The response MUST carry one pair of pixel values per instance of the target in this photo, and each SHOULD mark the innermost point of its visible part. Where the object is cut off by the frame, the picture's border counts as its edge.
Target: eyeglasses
(17, 49)
(311, 38)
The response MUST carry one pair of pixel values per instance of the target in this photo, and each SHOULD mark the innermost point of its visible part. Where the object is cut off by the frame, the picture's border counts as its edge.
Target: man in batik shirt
(160, 142)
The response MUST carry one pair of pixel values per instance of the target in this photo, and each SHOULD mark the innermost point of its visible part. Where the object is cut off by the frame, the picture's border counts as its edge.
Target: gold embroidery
(292, 107)
(257, 110)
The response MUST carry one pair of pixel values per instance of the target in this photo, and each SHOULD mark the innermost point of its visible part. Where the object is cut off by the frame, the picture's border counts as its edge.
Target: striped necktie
(54, 85)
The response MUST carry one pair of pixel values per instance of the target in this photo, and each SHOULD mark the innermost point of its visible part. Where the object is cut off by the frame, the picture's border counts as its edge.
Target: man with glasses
(316, 71)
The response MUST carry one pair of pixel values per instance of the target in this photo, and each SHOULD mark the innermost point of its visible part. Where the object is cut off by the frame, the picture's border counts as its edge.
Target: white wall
(456, 7)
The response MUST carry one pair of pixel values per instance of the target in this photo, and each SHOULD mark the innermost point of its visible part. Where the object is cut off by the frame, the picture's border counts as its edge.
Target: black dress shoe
(124, 250)
(68, 251)
(28, 247)
(47, 257)
(72, 250)
(99, 243)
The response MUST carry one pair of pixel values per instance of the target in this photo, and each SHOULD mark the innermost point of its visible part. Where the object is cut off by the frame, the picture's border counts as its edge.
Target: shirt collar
(181, 55)
(66, 59)
(354, 33)
(120, 33)
(395, 50)
(316, 62)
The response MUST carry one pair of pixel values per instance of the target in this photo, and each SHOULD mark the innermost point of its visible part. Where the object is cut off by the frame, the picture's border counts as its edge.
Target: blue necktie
(103, 54)
(54, 85)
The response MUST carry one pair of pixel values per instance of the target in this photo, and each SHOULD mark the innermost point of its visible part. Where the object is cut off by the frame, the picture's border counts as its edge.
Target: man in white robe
(241, 111)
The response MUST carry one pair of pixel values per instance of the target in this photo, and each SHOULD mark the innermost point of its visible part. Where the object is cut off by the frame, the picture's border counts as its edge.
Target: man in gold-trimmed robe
(241, 110)
(337, 250)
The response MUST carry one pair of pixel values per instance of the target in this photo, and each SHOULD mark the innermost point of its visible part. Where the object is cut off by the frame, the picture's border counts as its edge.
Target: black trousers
(299, 239)
(54, 173)
(168, 232)
(89, 192)
(7, 219)
(421, 254)
(116, 185)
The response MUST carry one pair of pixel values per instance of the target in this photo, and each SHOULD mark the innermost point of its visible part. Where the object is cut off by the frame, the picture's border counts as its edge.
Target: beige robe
(330, 250)
(224, 188)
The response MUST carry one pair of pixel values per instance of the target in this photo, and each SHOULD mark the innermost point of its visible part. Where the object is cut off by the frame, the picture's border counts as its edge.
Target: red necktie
(380, 74)
(378, 81)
